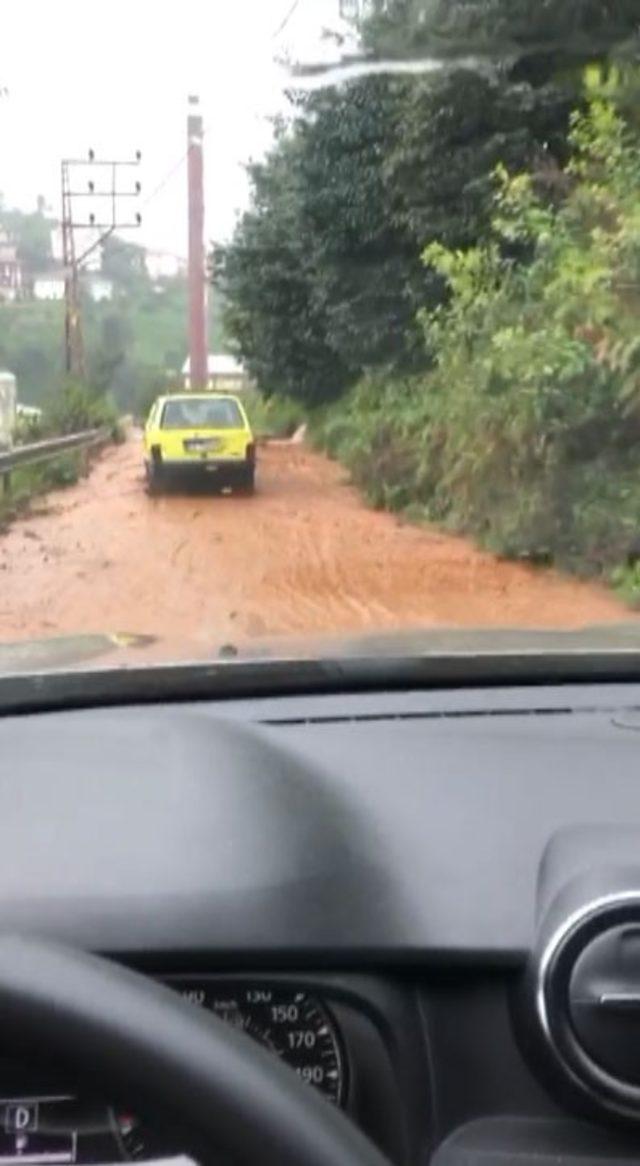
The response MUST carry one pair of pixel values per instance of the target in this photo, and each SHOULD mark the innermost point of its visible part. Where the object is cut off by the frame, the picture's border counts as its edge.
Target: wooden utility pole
(73, 344)
(198, 353)
(108, 192)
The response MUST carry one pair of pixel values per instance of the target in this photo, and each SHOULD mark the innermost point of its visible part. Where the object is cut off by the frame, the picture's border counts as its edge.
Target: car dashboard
(425, 902)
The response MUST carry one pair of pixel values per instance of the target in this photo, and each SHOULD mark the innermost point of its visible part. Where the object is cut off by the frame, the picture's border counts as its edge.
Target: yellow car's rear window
(223, 413)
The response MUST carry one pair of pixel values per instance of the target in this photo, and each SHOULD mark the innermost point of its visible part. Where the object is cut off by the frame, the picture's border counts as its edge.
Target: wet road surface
(304, 556)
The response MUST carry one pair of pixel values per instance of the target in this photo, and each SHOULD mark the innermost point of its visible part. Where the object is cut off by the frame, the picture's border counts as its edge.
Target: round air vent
(582, 999)
(604, 1001)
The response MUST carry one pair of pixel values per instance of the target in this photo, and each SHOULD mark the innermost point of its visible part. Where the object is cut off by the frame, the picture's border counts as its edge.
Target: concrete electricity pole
(109, 193)
(198, 355)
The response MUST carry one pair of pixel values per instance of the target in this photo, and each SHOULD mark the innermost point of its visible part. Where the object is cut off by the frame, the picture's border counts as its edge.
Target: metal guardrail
(44, 451)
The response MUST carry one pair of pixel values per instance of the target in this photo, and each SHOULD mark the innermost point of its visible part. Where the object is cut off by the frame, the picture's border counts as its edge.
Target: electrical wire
(285, 20)
(173, 170)
(183, 157)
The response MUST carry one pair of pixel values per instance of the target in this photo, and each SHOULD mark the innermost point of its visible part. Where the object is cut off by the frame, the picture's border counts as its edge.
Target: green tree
(31, 346)
(268, 276)
(323, 277)
(503, 30)
(111, 366)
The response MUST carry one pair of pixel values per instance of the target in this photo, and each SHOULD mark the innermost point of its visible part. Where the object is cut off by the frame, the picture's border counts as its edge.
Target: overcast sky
(115, 75)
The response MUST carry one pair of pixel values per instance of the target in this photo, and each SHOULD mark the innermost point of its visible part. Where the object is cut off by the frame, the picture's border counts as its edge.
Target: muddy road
(304, 556)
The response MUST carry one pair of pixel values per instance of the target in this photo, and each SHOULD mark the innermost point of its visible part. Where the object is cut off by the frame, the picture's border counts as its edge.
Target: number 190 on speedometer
(295, 1025)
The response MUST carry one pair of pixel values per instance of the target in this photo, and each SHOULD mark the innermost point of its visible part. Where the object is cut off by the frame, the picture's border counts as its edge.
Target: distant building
(10, 270)
(356, 11)
(225, 374)
(28, 412)
(7, 407)
(49, 285)
(84, 238)
(99, 287)
(56, 242)
(350, 9)
(164, 265)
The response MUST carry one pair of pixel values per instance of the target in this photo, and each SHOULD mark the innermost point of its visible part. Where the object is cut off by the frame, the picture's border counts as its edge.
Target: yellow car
(191, 435)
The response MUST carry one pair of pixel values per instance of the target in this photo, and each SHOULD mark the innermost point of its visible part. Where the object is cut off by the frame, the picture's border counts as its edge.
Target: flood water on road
(304, 556)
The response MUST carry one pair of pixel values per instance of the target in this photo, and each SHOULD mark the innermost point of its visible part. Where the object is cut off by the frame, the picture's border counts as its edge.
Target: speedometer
(292, 1023)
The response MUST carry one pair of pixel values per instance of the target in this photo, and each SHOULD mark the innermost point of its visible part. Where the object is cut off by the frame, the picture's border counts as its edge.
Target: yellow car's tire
(247, 483)
(155, 478)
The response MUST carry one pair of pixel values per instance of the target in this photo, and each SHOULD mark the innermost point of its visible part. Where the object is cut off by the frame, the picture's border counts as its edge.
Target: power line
(167, 178)
(285, 20)
(172, 171)
(105, 224)
(183, 157)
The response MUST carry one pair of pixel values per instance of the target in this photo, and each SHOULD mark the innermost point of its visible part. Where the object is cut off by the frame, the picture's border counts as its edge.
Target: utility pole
(198, 354)
(73, 345)
(110, 194)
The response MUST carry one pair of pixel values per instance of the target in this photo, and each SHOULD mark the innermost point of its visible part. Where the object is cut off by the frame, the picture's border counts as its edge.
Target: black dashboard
(418, 900)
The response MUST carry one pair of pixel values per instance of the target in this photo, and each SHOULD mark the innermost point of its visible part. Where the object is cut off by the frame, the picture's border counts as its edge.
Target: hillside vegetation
(133, 342)
(527, 430)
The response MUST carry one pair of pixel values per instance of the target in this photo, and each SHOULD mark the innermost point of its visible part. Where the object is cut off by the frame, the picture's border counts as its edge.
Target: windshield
(201, 414)
(403, 238)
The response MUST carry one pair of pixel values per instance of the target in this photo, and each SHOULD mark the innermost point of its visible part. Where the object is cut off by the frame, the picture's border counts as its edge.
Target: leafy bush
(526, 432)
(76, 408)
(27, 430)
(626, 581)
(64, 471)
(28, 482)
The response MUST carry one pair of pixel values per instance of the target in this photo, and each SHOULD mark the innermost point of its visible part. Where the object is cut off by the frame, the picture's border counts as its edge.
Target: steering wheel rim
(137, 1041)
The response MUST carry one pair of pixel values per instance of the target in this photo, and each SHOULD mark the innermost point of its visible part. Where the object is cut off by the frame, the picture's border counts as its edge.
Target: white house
(28, 412)
(164, 265)
(56, 242)
(10, 271)
(7, 408)
(99, 287)
(49, 285)
(84, 238)
(226, 374)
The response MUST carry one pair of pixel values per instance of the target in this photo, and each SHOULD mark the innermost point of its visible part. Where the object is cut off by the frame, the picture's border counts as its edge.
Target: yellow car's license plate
(203, 445)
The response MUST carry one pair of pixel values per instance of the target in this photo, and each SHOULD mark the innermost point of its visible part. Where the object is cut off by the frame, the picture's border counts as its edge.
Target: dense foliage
(529, 31)
(323, 276)
(454, 256)
(75, 408)
(527, 431)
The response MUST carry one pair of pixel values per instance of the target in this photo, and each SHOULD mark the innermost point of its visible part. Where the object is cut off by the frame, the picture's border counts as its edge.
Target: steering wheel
(139, 1042)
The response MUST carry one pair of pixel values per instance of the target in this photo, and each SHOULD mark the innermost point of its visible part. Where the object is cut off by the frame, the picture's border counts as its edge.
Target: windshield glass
(403, 237)
(201, 414)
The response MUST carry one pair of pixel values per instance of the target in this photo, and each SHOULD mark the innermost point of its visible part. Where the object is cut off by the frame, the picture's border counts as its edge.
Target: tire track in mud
(304, 556)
